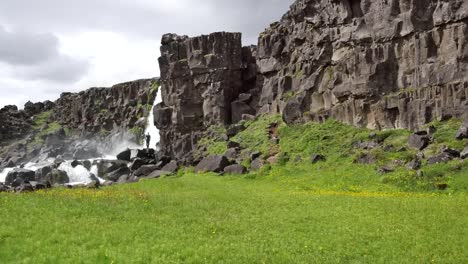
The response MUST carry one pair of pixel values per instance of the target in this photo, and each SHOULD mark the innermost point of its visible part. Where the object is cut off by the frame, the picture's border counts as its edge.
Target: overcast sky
(52, 46)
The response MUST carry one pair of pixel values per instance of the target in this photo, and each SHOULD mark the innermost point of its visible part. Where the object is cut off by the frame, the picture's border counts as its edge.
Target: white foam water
(77, 175)
(4, 173)
(151, 129)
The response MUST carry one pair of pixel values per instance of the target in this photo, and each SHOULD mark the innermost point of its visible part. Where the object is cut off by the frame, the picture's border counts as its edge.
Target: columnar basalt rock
(200, 77)
(376, 64)
(76, 126)
(106, 110)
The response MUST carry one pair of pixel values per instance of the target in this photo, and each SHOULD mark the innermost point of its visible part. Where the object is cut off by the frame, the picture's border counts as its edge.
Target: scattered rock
(116, 174)
(255, 155)
(232, 154)
(157, 174)
(235, 169)
(452, 152)
(314, 158)
(87, 164)
(440, 158)
(75, 163)
(24, 187)
(57, 177)
(442, 186)
(125, 155)
(462, 132)
(234, 130)
(365, 158)
(464, 154)
(273, 159)
(232, 144)
(419, 140)
(137, 163)
(42, 172)
(17, 176)
(215, 163)
(145, 170)
(368, 145)
(414, 165)
(257, 164)
(385, 169)
(171, 167)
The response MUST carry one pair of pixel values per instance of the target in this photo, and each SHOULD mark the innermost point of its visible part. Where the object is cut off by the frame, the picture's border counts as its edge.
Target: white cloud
(60, 46)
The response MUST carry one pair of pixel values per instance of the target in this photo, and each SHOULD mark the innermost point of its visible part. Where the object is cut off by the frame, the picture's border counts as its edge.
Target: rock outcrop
(375, 64)
(78, 125)
(202, 77)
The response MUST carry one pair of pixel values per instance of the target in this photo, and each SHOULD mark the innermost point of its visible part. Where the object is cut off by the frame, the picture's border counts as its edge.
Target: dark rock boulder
(257, 164)
(137, 163)
(157, 174)
(125, 155)
(145, 170)
(365, 158)
(452, 152)
(235, 169)
(255, 155)
(56, 177)
(462, 132)
(419, 140)
(24, 188)
(232, 154)
(235, 129)
(239, 109)
(385, 169)
(75, 163)
(464, 154)
(116, 174)
(18, 176)
(367, 145)
(42, 172)
(440, 158)
(87, 164)
(233, 144)
(171, 167)
(414, 165)
(215, 163)
(314, 158)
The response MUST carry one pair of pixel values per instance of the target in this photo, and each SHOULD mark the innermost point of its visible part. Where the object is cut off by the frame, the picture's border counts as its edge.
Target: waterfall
(4, 173)
(150, 127)
(80, 174)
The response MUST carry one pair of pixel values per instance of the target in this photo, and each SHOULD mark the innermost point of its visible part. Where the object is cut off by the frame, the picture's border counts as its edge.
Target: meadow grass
(335, 211)
(212, 219)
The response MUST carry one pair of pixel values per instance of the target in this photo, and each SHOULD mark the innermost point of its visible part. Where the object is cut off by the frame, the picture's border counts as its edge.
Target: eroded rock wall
(80, 125)
(200, 78)
(377, 64)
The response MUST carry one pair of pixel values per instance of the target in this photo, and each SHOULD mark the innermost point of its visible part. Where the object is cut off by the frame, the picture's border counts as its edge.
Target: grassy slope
(295, 212)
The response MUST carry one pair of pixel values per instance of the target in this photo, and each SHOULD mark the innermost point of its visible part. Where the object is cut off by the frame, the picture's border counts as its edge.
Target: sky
(52, 46)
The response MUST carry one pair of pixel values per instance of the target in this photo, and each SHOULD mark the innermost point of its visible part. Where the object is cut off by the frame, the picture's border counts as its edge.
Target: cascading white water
(4, 174)
(151, 129)
(79, 174)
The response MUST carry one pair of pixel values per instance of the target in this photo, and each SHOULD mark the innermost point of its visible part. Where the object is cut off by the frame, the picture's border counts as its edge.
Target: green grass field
(335, 211)
(209, 219)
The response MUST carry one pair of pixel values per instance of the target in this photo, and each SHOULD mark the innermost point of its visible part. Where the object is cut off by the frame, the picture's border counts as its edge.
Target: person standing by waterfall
(148, 140)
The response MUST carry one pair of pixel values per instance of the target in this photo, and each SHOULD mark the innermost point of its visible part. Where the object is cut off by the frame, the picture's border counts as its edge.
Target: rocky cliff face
(376, 64)
(201, 77)
(78, 125)
(370, 63)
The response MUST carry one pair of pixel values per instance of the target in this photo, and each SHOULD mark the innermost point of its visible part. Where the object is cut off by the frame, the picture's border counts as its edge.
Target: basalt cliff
(81, 125)
(377, 64)
(370, 63)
